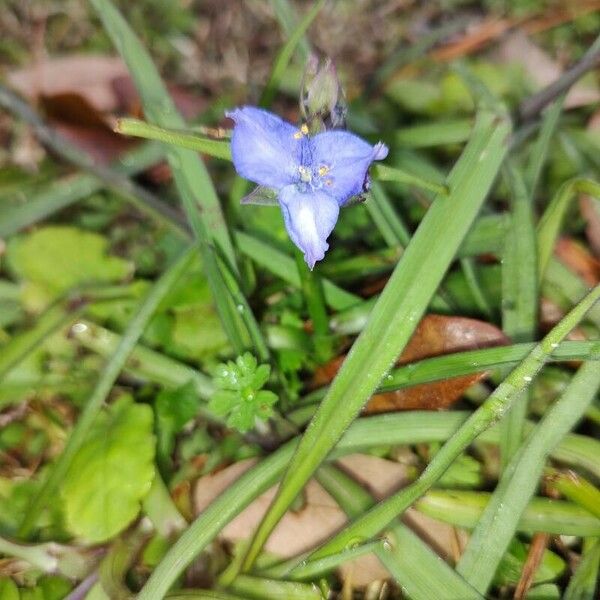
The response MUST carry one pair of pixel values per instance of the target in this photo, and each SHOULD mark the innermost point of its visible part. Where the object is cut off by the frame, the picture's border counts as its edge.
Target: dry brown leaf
(479, 36)
(578, 259)
(543, 70)
(491, 29)
(435, 335)
(538, 546)
(590, 210)
(87, 75)
(81, 96)
(320, 516)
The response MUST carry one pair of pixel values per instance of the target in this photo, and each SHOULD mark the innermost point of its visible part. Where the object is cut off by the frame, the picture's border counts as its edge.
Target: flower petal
(347, 158)
(309, 218)
(265, 148)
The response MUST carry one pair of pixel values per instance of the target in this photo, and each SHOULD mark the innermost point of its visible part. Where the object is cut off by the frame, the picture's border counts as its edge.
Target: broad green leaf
(196, 333)
(174, 408)
(111, 472)
(511, 566)
(8, 589)
(56, 258)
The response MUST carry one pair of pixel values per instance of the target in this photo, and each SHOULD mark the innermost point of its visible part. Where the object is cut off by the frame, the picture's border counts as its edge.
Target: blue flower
(313, 175)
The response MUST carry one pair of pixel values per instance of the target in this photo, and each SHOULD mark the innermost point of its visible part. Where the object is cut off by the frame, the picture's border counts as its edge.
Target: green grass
(461, 219)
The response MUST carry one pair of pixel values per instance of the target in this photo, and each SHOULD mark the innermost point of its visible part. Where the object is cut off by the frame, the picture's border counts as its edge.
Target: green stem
(576, 488)
(315, 303)
(39, 555)
(183, 139)
(387, 173)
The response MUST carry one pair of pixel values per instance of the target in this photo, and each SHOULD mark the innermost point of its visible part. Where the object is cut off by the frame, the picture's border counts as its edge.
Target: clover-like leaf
(239, 396)
(111, 473)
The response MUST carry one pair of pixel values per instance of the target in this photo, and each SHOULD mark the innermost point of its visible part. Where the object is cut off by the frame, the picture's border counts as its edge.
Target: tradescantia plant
(280, 318)
(313, 176)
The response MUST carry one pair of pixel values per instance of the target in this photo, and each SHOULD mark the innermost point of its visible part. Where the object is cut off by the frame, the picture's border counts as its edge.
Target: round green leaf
(111, 473)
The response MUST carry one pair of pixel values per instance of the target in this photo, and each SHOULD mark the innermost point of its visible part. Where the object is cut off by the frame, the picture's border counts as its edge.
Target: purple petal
(347, 158)
(265, 148)
(309, 218)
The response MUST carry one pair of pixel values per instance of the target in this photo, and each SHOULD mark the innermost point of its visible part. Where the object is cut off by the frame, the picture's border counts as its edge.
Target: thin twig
(84, 587)
(532, 563)
(142, 198)
(532, 106)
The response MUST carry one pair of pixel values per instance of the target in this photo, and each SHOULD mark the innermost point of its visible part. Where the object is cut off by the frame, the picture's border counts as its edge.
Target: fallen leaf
(87, 75)
(320, 516)
(542, 70)
(435, 335)
(81, 96)
(590, 210)
(576, 256)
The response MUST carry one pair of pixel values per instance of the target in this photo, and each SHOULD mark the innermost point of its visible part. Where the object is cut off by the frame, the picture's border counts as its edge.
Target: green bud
(322, 100)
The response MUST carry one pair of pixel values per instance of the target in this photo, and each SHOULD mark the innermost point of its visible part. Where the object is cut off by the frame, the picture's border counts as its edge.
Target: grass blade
(391, 429)
(386, 173)
(287, 18)
(464, 508)
(66, 191)
(490, 412)
(499, 521)
(397, 312)
(434, 134)
(549, 225)
(519, 297)
(285, 54)
(584, 582)
(576, 488)
(195, 187)
(190, 173)
(421, 573)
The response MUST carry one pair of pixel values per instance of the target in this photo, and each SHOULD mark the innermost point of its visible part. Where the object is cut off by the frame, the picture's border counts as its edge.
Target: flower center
(313, 178)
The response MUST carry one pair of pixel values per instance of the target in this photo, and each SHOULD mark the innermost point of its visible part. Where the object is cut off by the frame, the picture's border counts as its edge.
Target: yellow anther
(301, 132)
(323, 170)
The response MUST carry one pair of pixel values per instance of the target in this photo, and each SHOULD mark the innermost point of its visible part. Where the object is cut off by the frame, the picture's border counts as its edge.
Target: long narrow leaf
(193, 182)
(421, 573)
(397, 312)
(519, 296)
(499, 521)
(490, 412)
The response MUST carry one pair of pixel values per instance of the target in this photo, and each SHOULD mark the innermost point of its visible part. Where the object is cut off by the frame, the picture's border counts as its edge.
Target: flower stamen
(301, 132)
(305, 174)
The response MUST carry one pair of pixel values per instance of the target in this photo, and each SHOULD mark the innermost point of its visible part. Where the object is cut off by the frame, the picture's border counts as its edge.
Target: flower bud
(322, 100)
